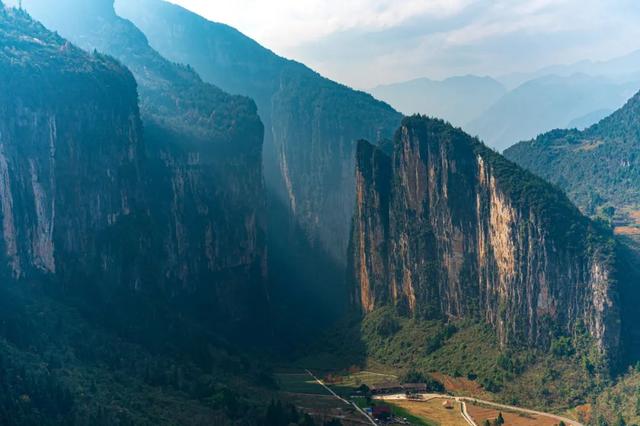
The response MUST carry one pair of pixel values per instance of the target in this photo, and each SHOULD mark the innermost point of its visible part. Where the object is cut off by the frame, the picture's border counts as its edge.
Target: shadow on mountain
(307, 287)
(629, 266)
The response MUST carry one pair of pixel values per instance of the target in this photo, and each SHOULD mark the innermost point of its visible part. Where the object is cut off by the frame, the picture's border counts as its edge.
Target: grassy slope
(621, 399)
(528, 378)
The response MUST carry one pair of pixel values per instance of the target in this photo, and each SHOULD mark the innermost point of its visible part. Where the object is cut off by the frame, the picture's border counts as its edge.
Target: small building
(447, 405)
(381, 412)
(387, 389)
(414, 388)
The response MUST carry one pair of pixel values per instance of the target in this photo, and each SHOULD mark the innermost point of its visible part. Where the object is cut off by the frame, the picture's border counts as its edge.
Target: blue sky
(368, 42)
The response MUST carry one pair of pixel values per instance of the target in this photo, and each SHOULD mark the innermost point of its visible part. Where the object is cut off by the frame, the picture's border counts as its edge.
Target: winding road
(469, 419)
(353, 404)
(462, 400)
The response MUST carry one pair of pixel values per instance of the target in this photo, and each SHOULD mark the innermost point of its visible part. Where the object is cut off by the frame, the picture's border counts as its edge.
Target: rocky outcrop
(446, 228)
(198, 235)
(69, 155)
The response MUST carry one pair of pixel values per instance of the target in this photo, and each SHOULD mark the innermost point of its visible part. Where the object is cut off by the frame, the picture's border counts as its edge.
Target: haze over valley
(319, 213)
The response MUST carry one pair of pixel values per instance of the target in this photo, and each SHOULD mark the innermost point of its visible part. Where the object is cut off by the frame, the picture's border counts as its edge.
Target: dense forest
(173, 254)
(597, 167)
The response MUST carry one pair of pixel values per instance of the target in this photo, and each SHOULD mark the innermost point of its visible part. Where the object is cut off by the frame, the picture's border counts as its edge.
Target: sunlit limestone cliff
(445, 228)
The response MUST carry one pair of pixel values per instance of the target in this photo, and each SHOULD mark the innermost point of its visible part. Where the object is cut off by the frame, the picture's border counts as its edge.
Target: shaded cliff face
(69, 156)
(203, 181)
(446, 228)
(312, 123)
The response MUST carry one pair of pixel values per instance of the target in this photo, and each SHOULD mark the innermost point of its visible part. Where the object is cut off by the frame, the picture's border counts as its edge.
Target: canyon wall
(445, 228)
(190, 158)
(70, 156)
(312, 123)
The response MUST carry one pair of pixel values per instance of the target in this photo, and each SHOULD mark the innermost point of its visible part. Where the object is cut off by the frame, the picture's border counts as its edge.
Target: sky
(364, 43)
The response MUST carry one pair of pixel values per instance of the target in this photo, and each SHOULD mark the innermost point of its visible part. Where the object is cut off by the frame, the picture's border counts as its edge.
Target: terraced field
(299, 382)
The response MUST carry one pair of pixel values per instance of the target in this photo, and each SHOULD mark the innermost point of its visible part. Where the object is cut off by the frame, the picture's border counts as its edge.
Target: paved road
(429, 397)
(460, 399)
(569, 422)
(353, 404)
(467, 417)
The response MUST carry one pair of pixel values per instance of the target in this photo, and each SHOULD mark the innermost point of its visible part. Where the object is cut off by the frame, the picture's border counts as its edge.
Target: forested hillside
(599, 168)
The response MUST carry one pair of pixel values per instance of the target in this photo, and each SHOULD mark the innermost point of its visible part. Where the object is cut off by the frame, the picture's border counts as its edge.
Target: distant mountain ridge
(620, 68)
(458, 100)
(547, 103)
(598, 167)
(555, 97)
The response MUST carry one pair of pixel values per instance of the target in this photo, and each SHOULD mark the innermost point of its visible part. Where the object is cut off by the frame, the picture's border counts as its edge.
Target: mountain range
(458, 100)
(597, 167)
(194, 229)
(622, 68)
(517, 107)
(311, 125)
(549, 103)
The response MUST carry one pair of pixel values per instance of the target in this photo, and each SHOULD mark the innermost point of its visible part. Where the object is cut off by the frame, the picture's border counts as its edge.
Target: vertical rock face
(69, 154)
(198, 237)
(312, 123)
(446, 228)
(315, 124)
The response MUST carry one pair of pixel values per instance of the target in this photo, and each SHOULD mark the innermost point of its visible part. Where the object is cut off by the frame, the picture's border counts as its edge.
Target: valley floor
(326, 400)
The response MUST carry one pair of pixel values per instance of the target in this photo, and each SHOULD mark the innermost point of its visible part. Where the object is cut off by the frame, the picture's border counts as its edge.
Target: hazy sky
(368, 42)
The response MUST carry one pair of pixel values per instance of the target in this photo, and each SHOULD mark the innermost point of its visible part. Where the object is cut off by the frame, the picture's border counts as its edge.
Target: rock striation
(148, 180)
(445, 228)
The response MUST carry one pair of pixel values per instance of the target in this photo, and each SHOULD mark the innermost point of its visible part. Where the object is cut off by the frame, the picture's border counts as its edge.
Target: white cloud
(290, 23)
(367, 42)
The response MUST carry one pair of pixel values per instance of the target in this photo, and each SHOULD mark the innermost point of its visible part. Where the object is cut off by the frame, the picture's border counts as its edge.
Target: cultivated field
(299, 382)
(300, 389)
(324, 408)
(480, 414)
(433, 411)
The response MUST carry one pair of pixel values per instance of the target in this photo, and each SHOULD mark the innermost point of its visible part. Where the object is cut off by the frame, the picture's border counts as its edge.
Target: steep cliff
(86, 337)
(312, 123)
(446, 228)
(203, 173)
(70, 145)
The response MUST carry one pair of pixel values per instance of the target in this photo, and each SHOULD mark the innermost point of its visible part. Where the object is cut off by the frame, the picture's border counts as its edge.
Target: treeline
(279, 414)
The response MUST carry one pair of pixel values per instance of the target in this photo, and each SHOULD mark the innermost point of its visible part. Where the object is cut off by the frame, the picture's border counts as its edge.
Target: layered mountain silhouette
(549, 103)
(458, 100)
(185, 215)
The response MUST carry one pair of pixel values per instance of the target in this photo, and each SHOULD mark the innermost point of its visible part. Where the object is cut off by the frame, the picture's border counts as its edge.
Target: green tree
(414, 376)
